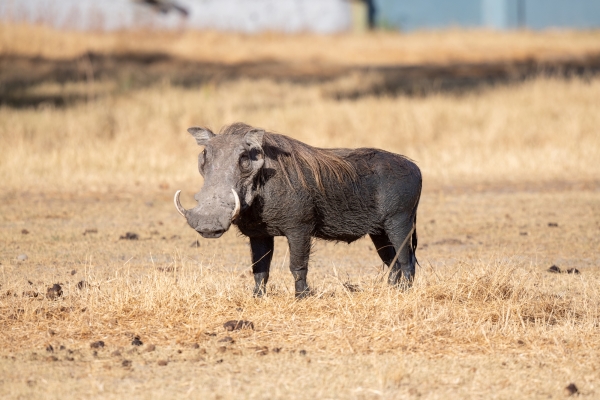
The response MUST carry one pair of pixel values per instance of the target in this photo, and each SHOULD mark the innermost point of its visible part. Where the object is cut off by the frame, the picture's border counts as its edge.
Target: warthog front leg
(262, 253)
(299, 252)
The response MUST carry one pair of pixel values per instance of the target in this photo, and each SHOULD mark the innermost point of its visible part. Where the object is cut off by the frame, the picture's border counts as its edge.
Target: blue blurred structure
(320, 16)
(498, 14)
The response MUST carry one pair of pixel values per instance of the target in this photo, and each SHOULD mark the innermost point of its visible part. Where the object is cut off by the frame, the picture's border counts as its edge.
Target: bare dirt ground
(305, 349)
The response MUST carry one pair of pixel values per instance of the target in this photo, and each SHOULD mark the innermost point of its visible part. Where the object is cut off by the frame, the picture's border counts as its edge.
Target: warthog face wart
(228, 164)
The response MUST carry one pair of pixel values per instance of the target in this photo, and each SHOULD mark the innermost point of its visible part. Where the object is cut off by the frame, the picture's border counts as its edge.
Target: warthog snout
(210, 218)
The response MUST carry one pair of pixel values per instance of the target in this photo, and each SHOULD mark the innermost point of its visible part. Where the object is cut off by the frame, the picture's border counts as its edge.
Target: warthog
(272, 185)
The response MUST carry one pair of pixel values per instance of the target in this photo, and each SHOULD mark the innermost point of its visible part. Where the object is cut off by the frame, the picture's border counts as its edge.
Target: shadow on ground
(18, 74)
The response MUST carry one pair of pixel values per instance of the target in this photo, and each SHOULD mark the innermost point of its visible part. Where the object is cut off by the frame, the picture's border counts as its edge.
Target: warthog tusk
(236, 210)
(181, 210)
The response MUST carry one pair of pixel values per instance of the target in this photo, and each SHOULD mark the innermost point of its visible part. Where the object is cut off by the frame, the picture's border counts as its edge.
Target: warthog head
(229, 164)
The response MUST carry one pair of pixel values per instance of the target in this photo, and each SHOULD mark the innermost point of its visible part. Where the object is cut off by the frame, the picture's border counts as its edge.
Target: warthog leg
(399, 231)
(262, 253)
(300, 244)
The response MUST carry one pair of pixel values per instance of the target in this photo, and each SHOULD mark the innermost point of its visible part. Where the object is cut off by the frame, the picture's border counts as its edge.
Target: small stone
(302, 352)
(195, 346)
(136, 341)
(24, 231)
(571, 389)
(150, 348)
(554, 269)
(52, 358)
(234, 325)
(523, 233)
(162, 363)
(573, 271)
(82, 284)
(54, 292)
(73, 272)
(97, 345)
(129, 236)
(552, 224)
(50, 349)
(22, 257)
(126, 363)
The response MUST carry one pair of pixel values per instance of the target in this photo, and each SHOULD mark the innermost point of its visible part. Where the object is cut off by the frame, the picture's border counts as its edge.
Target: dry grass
(483, 315)
(542, 130)
(484, 318)
(381, 48)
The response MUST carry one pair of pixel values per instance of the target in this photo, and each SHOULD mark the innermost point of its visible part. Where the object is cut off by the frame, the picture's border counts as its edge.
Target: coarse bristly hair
(293, 156)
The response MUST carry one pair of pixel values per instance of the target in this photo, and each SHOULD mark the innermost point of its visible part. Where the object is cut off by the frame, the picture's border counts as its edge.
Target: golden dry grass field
(511, 187)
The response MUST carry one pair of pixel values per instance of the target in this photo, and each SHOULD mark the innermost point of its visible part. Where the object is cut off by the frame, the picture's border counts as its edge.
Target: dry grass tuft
(479, 307)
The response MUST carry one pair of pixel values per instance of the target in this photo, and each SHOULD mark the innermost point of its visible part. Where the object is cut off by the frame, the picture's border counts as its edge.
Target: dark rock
(351, 287)
(554, 269)
(552, 224)
(54, 292)
(234, 325)
(50, 349)
(162, 362)
(82, 284)
(73, 272)
(24, 231)
(97, 345)
(226, 339)
(302, 352)
(571, 389)
(129, 236)
(573, 271)
(195, 346)
(136, 341)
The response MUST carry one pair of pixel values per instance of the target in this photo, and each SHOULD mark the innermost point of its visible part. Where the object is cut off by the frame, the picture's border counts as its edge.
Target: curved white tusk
(181, 210)
(236, 210)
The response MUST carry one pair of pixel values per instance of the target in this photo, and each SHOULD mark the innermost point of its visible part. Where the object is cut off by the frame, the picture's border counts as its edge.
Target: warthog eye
(245, 162)
(201, 160)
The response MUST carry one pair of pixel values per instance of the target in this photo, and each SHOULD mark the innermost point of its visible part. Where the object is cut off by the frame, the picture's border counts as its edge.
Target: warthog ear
(202, 135)
(254, 138)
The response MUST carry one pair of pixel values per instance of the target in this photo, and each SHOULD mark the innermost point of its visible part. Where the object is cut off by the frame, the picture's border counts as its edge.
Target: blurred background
(98, 94)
